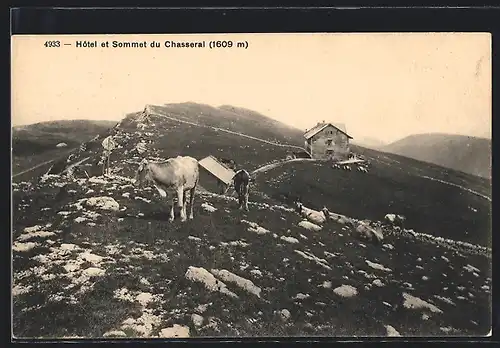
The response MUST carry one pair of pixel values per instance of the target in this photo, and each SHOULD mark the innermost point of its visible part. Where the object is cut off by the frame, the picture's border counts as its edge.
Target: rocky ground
(94, 256)
(109, 264)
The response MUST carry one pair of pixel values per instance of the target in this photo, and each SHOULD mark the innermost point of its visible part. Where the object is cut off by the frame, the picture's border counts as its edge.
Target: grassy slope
(154, 255)
(468, 154)
(415, 167)
(284, 272)
(430, 207)
(35, 143)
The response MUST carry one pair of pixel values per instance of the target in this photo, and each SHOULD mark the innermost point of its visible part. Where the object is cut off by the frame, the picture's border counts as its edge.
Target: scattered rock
(346, 291)
(290, 239)
(209, 208)
(471, 269)
(243, 283)
(115, 333)
(309, 226)
(211, 283)
(105, 203)
(144, 298)
(413, 302)
(445, 299)
(284, 314)
(22, 247)
(409, 286)
(202, 308)
(377, 266)
(197, 320)
(175, 331)
(253, 227)
(256, 272)
(301, 296)
(392, 332)
(326, 284)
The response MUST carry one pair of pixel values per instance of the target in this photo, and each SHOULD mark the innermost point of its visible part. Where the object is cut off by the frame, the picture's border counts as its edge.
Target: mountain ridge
(468, 154)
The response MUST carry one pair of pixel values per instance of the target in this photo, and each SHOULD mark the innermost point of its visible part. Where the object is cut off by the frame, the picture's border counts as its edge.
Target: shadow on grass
(96, 312)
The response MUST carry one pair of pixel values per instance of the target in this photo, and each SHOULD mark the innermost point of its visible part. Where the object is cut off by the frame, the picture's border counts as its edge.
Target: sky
(383, 86)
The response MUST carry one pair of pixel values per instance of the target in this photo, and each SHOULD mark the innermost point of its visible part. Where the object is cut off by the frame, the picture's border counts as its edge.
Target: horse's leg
(237, 188)
(171, 217)
(246, 199)
(191, 201)
(184, 201)
(180, 203)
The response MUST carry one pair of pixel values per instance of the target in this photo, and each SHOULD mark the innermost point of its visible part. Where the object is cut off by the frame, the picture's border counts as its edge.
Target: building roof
(217, 169)
(319, 127)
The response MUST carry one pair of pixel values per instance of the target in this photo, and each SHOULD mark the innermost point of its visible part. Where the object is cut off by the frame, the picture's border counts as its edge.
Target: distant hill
(39, 137)
(464, 153)
(36, 143)
(369, 142)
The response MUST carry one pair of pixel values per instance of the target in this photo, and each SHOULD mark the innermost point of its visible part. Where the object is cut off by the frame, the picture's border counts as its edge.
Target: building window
(329, 142)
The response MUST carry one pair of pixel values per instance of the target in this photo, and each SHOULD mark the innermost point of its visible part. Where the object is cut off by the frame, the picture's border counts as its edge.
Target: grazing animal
(329, 215)
(317, 217)
(241, 181)
(174, 176)
(342, 219)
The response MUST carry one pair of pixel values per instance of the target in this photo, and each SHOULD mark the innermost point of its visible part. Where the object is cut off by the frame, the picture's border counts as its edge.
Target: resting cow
(365, 231)
(174, 176)
(317, 217)
(241, 182)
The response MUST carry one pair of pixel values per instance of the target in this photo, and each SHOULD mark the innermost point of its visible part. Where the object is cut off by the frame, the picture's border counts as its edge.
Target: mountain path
(230, 132)
(437, 180)
(456, 185)
(33, 168)
(268, 167)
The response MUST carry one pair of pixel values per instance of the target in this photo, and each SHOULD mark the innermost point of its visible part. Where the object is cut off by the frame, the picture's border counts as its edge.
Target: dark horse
(241, 182)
